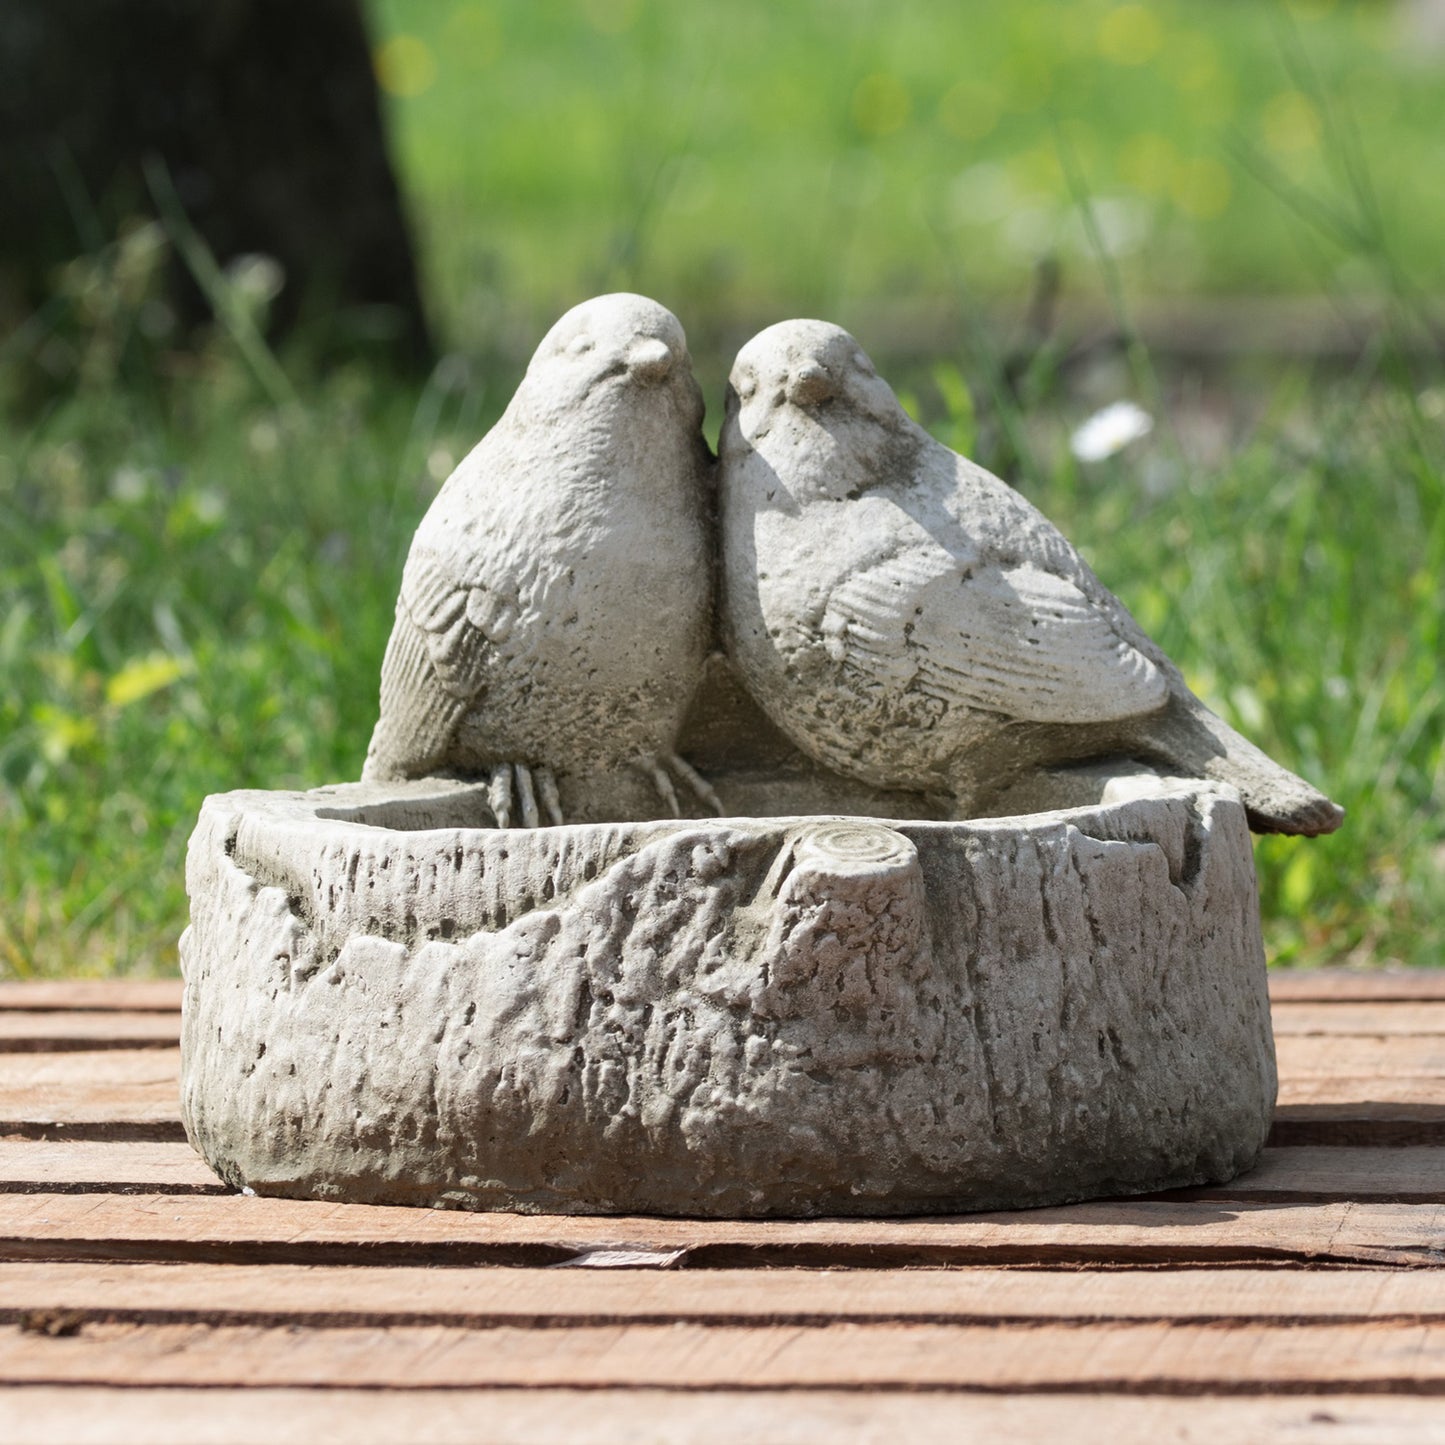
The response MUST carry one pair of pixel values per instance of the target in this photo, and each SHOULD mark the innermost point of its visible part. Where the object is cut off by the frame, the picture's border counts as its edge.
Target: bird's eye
(581, 346)
(862, 363)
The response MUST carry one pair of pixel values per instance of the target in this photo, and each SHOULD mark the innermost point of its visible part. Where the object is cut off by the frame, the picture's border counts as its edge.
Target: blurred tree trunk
(263, 113)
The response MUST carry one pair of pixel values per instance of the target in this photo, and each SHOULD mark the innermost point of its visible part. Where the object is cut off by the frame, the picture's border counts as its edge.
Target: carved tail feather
(1197, 743)
(418, 715)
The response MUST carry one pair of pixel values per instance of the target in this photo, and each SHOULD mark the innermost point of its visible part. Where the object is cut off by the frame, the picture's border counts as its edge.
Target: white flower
(130, 484)
(257, 279)
(1110, 430)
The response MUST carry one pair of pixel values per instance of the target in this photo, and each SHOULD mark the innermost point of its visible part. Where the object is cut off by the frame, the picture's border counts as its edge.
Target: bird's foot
(662, 769)
(515, 786)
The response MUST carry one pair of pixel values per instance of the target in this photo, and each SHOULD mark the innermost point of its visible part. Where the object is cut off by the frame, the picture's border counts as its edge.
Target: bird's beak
(810, 384)
(650, 359)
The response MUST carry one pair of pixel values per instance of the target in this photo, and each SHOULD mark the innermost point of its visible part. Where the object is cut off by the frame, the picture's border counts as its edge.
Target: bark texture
(785, 1016)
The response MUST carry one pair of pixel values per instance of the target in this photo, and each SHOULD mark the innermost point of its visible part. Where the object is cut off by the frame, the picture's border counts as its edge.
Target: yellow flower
(142, 676)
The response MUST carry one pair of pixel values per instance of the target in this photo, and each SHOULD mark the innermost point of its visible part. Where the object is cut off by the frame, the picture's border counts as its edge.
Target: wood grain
(1382, 1091)
(1272, 1307)
(1376, 1175)
(35, 1028)
(70, 1166)
(1379, 1123)
(1406, 1056)
(133, 995)
(1340, 985)
(164, 994)
(327, 1296)
(280, 1231)
(81, 1030)
(1372, 1019)
(133, 1094)
(1414, 1175)
(108, 1094)
(88, 1416)
(1146, 1356)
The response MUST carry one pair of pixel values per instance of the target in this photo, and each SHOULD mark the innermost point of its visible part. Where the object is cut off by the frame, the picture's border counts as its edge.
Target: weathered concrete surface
(910, 621)
(556, 607)
(388, 1001)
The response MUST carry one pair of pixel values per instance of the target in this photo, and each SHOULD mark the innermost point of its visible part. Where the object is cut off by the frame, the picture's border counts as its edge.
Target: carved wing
(1019, 641)
(435, 664)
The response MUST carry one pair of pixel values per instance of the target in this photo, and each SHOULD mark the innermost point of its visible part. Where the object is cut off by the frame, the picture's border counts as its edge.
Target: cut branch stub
(849, 923)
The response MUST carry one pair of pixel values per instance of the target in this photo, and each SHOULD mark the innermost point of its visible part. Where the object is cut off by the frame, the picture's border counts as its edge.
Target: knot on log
(849, 926)
(852, 848)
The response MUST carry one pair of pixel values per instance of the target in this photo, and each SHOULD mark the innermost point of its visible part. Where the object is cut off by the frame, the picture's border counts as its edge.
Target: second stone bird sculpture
(909, 620)
(556, 605)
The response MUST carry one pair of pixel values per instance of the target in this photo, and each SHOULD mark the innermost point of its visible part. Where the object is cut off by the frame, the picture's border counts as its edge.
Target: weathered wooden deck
(140, 1300)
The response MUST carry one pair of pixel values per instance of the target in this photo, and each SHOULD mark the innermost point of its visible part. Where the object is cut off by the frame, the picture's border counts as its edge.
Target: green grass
(828, 156)
(198, 572)
(198, 599)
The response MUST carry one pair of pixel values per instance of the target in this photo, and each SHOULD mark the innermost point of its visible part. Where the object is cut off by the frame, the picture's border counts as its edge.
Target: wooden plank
(86, 1416)
(127, 995)
(110, 1094)
(1373, 1019)
(1381, 1122)
(1368, 1087)
(70, 1030)
(193, 1227)
(1356, 1091)
(1414, 1175)
(1375, 1175)
(1299, 1058)
(38, 1030)
(1408, 1056)
(114, 1167)
(330, 1296)
(74, 1028)
(1340, 985)
(164, 994)
(1247, 1357)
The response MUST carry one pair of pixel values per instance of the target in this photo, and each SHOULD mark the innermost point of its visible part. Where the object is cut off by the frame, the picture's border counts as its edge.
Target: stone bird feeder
(832, 999)
(390, 1000)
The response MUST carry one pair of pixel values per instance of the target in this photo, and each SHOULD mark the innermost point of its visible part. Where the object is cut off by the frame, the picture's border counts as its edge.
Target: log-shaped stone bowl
(389, 1001)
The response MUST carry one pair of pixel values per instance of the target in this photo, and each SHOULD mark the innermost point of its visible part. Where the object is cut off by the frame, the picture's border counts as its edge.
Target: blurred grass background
(817, 155)
(199, 551)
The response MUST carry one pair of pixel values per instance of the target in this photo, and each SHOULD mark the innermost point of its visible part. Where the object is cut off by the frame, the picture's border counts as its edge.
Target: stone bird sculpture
(909, 620)
(556, 607)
